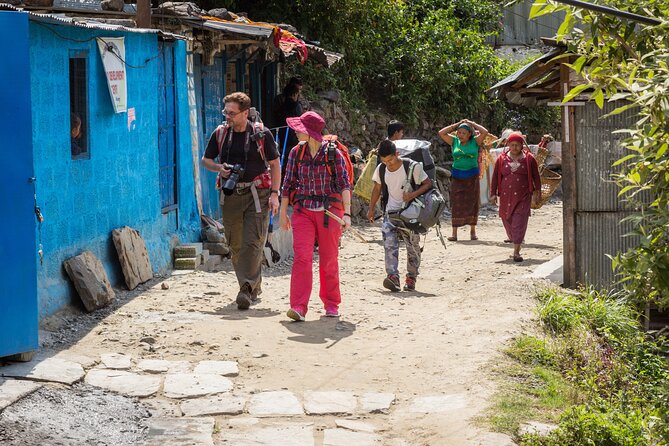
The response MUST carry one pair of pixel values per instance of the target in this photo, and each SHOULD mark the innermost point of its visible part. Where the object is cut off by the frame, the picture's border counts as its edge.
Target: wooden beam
(569, 186)
(143, 17)
(551, 80)
(534, 90)
(536, 74)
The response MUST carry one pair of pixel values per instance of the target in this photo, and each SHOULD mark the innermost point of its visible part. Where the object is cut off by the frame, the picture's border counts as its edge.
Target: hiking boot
(410, 284)
(295, 315)
(392, 282)
(244, 297)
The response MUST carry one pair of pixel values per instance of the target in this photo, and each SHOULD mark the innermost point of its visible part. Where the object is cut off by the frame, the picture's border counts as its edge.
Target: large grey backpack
(424, 211)
(419, 151)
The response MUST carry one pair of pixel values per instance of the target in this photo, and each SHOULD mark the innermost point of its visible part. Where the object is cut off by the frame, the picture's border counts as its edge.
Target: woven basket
(489, 140)
(549, 183)
(542, 154)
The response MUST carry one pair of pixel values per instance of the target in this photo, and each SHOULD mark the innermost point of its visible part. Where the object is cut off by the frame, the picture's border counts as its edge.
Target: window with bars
(79, 146)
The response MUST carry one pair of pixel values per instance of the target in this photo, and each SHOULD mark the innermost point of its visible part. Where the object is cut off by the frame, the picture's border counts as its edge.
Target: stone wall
(365, 130)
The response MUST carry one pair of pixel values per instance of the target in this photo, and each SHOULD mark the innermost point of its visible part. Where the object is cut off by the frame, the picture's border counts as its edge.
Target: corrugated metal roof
(240, 29)
(59, 19)
(526, 69)
(89, 5)
(324, 57)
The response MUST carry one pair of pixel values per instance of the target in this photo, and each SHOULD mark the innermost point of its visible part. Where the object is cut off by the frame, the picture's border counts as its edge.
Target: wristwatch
(274, 191)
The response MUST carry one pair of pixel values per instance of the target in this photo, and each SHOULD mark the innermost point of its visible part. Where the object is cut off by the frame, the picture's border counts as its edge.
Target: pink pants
(307, 228)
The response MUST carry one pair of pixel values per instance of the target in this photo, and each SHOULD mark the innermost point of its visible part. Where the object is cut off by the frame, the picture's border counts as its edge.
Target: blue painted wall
(210, 91)
(18, 280)
(84, 200)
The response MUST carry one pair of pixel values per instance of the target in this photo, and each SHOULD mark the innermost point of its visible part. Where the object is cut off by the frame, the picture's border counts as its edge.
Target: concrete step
(187, 250)
(187, 262)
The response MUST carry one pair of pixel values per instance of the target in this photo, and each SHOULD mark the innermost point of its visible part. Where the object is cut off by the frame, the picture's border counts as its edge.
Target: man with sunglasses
(242, 143)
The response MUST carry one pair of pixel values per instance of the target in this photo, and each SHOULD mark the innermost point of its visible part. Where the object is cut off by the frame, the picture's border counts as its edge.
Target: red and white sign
(112, 52)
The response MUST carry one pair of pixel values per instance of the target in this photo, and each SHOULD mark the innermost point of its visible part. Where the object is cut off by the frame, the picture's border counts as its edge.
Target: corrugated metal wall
(598, 148)
(519, 30)
(599, 234)
(599, 211)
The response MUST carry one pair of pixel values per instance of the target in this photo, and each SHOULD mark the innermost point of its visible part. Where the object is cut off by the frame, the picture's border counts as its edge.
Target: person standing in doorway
(390, 181)
(465, 186)
(247, 160)
(287, 105)
(316, 181)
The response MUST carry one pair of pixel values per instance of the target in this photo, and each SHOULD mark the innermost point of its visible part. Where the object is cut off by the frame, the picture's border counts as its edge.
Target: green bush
(589, 309)
(418, 59)
(530, 350)
(618, 374)
(600, 425)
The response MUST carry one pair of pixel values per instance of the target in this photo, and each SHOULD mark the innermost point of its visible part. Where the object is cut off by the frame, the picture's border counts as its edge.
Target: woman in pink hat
(517, 183)
(314, 182)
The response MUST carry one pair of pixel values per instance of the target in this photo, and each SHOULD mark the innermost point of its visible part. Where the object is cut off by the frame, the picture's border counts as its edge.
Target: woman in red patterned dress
(517, 183)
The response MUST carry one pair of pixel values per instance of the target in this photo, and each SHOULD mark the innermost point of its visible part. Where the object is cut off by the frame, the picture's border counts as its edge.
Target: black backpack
(419, 151)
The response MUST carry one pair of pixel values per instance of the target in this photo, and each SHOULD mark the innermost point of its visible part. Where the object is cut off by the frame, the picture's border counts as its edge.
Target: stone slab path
(183, 396)
(396, 369)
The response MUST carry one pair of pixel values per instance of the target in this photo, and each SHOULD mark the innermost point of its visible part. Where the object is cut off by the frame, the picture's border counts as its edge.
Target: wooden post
(143, 16)
(569, 186)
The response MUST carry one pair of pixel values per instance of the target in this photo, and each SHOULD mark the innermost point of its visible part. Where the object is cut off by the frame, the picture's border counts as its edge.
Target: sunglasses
(232, 114)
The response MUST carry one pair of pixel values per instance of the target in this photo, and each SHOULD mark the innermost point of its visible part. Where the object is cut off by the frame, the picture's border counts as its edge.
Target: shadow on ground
(320, 331)
(231, 313)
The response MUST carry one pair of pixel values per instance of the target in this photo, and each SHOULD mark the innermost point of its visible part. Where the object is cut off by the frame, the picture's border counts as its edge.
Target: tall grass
(594, 344)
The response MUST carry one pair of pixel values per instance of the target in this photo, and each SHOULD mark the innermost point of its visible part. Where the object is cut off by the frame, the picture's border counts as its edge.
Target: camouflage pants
(391, 245)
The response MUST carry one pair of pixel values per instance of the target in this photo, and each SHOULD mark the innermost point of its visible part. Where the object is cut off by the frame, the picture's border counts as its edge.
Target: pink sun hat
(310, 123)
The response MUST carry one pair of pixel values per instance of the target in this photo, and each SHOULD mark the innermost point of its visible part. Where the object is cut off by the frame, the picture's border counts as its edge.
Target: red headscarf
(517, 137)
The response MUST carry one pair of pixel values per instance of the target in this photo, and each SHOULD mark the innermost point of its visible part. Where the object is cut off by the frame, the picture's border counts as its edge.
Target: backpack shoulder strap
(259, 131)
(221, 133)
(384, 186)
(409, 166)
(332, 156)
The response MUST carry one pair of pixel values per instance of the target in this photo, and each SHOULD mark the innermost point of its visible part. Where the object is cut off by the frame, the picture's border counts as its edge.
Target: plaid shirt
(308, 179)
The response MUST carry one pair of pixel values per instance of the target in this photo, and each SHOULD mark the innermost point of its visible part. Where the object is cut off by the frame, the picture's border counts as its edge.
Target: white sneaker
(294, 315)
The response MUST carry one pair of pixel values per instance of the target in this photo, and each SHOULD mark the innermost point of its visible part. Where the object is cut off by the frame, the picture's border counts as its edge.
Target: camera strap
(224, 140)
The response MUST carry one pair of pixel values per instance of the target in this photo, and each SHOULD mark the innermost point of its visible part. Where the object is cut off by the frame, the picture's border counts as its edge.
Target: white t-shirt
(395, 182)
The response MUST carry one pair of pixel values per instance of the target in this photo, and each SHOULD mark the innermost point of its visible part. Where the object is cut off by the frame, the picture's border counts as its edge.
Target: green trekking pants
(246, 231)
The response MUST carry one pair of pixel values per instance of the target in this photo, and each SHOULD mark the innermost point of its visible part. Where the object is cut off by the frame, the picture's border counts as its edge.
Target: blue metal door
(213, 92)
(167, 137)
(18, 267)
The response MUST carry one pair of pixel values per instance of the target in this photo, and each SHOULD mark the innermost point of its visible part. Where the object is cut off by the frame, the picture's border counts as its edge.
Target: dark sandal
(508, 241)
(517, 259)
(452, 239)
(473, 237)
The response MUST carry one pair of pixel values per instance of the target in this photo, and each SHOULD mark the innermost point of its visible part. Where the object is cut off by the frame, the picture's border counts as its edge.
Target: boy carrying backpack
(390, 184)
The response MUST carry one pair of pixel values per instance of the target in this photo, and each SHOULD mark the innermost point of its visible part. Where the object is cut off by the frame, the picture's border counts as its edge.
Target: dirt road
(440, 341)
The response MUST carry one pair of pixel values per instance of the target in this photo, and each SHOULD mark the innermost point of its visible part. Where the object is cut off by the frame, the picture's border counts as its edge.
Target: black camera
(236, 173)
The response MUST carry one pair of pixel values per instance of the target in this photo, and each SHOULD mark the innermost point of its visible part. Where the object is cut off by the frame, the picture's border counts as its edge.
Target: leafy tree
(409, 57)
(623, 60)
